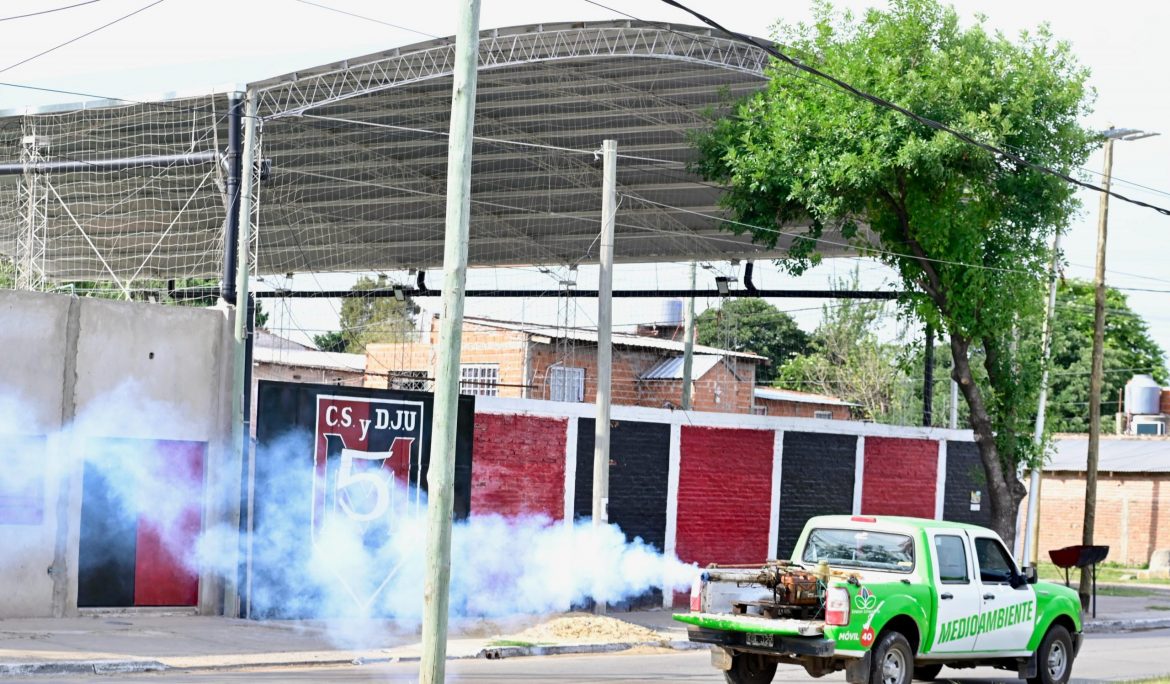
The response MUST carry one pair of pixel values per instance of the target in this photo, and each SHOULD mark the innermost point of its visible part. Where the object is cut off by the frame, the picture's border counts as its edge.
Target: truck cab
(895, 600)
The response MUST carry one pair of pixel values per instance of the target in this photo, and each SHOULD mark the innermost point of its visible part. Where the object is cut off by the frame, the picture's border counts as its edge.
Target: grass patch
(516, 642)
(1125, 591)
(1157, 607)
(1105, 573)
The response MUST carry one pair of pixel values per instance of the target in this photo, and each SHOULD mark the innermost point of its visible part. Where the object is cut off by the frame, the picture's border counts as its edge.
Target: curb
(80, 667)
(499, 652)
(1135, 625)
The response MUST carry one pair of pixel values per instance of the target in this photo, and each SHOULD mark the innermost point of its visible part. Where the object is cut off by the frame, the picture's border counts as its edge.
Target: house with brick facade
(534, 361)
(1133, 496)
(279, 358)
(772, 401)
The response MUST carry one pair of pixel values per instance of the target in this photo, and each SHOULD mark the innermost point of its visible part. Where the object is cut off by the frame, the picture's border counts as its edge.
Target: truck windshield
(860, 549)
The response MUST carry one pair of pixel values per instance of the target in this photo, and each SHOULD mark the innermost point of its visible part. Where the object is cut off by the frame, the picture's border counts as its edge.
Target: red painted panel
(901, 476)
(724, 495)
(519, 465)
(170, 526)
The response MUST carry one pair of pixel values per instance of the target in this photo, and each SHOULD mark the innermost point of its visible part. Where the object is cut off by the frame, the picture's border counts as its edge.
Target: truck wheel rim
(893, 665)
(1057, 659)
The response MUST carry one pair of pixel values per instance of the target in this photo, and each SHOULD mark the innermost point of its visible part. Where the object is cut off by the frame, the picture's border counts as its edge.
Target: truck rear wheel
(893, 660)
(750, 668)
(1054, 658)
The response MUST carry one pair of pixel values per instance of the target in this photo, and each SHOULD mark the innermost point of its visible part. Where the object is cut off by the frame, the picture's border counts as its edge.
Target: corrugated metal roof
(672, 368)
(619, 339)
(1119, 455)
(772, 394)
(308, 358)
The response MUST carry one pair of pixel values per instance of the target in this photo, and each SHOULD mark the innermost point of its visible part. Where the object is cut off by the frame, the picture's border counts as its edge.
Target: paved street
(1119, 657)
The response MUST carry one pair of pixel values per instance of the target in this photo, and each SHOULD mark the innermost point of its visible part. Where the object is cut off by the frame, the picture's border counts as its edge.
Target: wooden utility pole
(689, 345)
(1095, 377)
(441, 473)
(604, 342)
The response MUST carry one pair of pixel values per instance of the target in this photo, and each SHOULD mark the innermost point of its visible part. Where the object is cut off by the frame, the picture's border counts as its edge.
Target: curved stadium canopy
(358, 161)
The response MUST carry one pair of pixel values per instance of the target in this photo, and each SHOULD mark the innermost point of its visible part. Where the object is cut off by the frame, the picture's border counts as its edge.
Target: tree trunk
(1003, 487)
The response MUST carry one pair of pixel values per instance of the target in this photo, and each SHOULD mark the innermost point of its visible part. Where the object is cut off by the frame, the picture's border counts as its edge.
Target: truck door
(1008, 613)
(957, 591)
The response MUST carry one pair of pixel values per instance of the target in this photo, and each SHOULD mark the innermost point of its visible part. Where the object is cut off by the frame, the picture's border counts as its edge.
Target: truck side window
(952, 559)
(995, 565)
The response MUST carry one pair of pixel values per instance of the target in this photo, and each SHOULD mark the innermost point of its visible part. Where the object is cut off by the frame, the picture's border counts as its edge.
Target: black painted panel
(966, 485)
(639, 467)
(817, 478)
(109, 539)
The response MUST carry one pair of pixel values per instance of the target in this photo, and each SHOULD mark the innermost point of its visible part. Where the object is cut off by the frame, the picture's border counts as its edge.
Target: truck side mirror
(1031, 575)
(1028, 576)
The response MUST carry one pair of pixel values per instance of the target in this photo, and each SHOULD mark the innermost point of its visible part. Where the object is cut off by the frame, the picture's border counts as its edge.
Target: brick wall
(724, 495)
(1133, 514)
(518, 467)
(900, 477)
(817, 477)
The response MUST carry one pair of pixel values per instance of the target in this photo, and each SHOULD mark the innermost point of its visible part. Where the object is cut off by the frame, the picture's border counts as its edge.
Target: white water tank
(1142, 396)
(672, 312)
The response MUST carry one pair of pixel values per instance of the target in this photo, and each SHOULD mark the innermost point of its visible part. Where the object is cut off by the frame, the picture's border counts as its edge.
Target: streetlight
(1095, 379)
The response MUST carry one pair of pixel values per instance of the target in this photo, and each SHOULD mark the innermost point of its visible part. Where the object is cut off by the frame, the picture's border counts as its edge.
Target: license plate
(759, 639)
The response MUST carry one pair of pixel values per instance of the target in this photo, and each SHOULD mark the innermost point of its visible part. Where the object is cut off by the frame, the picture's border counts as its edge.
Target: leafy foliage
(965, 230)
(366, 320)
(753, 325)
(1129, 350)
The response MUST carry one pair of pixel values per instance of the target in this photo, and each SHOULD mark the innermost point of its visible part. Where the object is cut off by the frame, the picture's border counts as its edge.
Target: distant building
(279, 358)
(1133, 496)
(771, 401)
(533, 361)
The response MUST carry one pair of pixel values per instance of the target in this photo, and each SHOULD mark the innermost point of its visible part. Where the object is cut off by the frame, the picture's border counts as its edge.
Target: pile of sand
(581, 628)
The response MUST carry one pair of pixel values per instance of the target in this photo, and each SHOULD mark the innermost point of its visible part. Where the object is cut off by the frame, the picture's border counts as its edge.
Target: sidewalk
(135, 642)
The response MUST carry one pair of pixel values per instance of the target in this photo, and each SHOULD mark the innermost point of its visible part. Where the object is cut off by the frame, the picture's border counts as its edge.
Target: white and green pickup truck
(886, 599)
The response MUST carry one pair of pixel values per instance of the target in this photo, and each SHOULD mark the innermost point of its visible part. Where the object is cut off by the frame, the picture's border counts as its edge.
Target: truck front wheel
(750, 668)
(893, 660)
(1054, 658)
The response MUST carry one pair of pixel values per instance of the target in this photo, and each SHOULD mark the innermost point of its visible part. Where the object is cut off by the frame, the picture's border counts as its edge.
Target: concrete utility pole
(689, 345)
(1032, 524)
(231, 594)
(441, 473)
(1095, 379)
(604, 342)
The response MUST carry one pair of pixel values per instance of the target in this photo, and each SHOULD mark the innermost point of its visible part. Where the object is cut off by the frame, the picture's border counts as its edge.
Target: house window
(823, 415)
(759, 410)
(413, 380)
(566, 383)
(479, 379)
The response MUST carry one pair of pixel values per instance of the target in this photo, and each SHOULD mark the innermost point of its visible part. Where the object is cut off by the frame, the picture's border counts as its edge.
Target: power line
(48, 11)
(371, 19)
(925, 121)
(90, 32)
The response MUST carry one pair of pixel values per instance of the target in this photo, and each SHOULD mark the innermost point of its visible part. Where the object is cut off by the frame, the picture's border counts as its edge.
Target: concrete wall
(105, 367)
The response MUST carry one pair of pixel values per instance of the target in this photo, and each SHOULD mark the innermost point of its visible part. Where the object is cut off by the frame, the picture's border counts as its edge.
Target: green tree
(1129, 350)
(752, 325)
(369, 319)
(966, 231)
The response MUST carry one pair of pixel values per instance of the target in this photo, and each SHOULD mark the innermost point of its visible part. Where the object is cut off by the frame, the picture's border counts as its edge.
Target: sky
(195, 46)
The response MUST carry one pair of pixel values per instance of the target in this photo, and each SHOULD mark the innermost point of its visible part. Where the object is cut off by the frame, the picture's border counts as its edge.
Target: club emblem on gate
(367, 472)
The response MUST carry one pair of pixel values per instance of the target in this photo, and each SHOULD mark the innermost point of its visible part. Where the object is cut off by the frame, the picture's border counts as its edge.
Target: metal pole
(441, 473)
(953, 423)
(1032, 524)
(1097, 370)
(928, 378)
(232, 227)
(231, 593)
(604, 342)
(688, 346)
